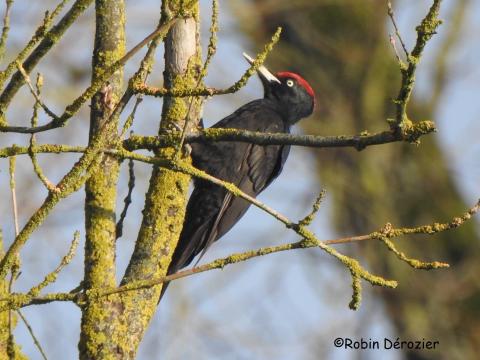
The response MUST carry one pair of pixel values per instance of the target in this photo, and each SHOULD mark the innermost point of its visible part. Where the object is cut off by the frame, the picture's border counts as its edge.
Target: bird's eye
(289, 83)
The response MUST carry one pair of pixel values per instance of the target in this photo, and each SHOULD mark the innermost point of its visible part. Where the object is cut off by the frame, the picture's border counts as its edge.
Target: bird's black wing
(211, 210)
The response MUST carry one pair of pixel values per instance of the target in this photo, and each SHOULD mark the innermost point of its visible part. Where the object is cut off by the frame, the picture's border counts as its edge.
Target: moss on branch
(425, 31)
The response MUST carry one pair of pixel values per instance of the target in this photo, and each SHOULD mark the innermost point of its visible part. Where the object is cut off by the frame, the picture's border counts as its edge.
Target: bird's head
(294, 95)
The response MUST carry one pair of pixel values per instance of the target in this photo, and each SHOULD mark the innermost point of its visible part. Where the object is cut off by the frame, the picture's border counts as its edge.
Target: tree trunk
(122, 320)
(101, 189)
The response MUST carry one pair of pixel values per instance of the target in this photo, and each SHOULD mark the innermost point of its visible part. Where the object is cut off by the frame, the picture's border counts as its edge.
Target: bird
(212, 210)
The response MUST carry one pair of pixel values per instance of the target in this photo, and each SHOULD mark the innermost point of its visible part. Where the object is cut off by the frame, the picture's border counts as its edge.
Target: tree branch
(207, 91)
(49, 39)
(94, 87)
(359, 142)
(387, 232)
(425, 31)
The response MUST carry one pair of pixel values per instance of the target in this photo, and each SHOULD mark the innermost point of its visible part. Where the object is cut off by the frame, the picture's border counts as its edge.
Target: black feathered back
(212, 210)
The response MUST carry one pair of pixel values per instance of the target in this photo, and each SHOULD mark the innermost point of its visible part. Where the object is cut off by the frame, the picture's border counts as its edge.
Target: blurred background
(290, 305)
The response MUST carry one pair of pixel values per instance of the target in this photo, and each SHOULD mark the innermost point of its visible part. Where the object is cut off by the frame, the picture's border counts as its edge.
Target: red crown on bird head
(300, 80)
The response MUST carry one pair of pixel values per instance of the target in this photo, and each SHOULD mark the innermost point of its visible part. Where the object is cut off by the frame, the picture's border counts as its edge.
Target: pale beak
(263, 72)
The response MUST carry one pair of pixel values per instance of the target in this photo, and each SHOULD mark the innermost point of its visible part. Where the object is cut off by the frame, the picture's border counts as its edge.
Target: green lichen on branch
(425, 31)
(164, 208)
(98, 336)
(309, 239)
(357, 292)
(38, 35)
(51, 277)
(70, 183)
(212, 41)
(44, 149)
(136, 142)
(15, 301)
(307, 220)
(48, 39)
(206, 91)
(414, 263)
(413, 132)
(6, 28)
(88, 93)
(8, 321)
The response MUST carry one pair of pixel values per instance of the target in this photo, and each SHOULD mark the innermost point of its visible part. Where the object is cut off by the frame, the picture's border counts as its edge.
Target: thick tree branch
(137, 142)
(358, 142)
(101, 189)
(166, 197)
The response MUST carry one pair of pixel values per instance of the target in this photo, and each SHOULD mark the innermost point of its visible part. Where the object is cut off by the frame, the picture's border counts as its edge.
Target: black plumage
(212, 211)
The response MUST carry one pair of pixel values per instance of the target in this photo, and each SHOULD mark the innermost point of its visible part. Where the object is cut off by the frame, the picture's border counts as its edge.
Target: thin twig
(387, 231)
(50, 278)
(211, 50)
(426, 229)
(36, 166)
(206, 91)
(128, 198)
(11, 169)
(6, 27)
(11, 350)
(15, 150)
(131, 117)
(397, 32)
(307, 220)
(73, 108)
(397, 55)
(48, 37)
(32, 334)
(35, 93)
(425, 31)
(414, 263)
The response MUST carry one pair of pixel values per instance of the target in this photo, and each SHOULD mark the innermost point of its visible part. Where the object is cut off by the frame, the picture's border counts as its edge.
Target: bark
(101, 189)
(166, 197)
(6, 351)
(167, 194)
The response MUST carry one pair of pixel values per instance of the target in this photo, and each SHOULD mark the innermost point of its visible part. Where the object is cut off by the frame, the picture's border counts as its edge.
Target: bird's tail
(189, 246)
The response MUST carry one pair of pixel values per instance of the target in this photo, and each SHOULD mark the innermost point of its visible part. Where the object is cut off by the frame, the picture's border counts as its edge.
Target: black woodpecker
(212, 211)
